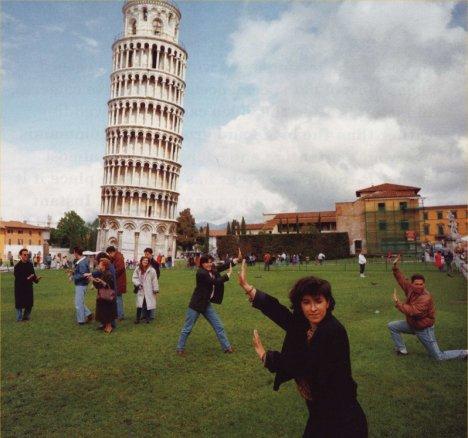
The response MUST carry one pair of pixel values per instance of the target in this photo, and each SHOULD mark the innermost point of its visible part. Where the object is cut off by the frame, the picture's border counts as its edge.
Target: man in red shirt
(266, 261)
(419, 310)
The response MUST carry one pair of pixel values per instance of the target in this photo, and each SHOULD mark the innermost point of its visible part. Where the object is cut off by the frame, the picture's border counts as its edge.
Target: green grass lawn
(61, 379)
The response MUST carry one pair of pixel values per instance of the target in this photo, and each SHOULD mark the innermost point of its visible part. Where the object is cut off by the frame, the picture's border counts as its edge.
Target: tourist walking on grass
(419, 310)
(24, 279)
(266, 261)
(118, 261)
(315, 354)
(106, 307)
(209, 288)
(146, 285)
(81, 267)
(148, 252)
(362, 264)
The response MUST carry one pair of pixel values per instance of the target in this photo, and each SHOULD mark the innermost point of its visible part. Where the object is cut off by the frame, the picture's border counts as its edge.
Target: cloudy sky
(289, 106)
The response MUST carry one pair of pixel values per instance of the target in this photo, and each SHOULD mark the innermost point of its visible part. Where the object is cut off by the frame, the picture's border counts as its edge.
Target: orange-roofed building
(299, 222)
(384, 218)
(16, 235)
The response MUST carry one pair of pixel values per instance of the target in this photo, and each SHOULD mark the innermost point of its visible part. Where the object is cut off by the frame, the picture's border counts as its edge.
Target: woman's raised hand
(229, 272)
(242, 279)
(257, 343)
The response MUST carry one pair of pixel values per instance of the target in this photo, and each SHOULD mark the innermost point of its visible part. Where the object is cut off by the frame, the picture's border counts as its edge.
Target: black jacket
(324, 363)
(23, 286)
(155, 265)
(206, 285)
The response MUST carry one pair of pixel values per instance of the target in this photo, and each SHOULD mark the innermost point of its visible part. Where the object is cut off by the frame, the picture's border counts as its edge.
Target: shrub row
(333, 245)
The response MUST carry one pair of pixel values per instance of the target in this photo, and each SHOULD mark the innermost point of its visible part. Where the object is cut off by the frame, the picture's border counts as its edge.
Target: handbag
(106, 294)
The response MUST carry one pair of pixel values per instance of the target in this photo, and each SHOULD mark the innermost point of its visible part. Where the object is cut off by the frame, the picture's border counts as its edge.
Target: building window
(9, 241)
(381, 206)
(40, 243)
(440, 230)
(20, 231)
(382, 226)
(20, 241)
(30, 232)
(403, 205)
(30, 241)
(404, 225)
(440, 215)
(10, 231)
(425, 216)
(454, 212)
(427, 229)
(157, 26)
(145, 14)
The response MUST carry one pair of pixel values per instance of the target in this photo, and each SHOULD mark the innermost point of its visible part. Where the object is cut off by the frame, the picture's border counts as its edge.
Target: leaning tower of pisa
(144, 132)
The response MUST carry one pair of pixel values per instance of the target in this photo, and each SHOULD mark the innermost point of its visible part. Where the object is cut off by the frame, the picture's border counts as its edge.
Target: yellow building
(15, 235)
(385, 218)
(435, 224)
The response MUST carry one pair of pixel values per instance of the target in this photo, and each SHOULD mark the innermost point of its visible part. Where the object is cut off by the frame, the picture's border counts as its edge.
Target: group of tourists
(315, 352)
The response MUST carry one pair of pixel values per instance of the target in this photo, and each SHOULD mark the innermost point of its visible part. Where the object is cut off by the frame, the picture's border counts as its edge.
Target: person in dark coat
(209, 288)
(24, 279)
(106, 311)
(315, 354)
(118, 261)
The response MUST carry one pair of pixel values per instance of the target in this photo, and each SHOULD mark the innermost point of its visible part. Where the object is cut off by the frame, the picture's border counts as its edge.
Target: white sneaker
(402, 352)
(362, 275)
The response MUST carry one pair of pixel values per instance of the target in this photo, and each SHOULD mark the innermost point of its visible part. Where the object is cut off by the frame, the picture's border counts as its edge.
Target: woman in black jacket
(315, 354)
(209, 288)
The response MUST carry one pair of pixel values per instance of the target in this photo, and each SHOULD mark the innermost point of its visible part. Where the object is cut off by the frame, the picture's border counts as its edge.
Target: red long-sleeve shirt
(418, 308)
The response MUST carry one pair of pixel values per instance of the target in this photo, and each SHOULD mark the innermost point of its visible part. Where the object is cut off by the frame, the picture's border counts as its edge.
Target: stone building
(16, 235)
(144, 133)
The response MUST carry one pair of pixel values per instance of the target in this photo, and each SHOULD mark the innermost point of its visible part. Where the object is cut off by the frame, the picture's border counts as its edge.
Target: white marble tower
(144, 132)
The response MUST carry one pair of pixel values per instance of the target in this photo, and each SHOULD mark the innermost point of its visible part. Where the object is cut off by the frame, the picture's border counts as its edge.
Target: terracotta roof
(254, 226)
(388, 187)
(217, 233)
(18, 224)
(302, 216)
(391, 194)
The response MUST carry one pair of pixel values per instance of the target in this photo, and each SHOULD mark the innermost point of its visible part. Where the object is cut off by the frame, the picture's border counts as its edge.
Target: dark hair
(78, 250)
(205, 258)
(417, 277)
(22, 250)
(148, 250)
(102, 255)
(110, 249)
(106, 262)
(311, 286)
(140, 265)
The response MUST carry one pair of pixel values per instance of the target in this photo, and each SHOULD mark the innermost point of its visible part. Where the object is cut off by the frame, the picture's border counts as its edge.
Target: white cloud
(345, 96)
(53, 28)
(36, 183)
(101, 71)
(87, 43)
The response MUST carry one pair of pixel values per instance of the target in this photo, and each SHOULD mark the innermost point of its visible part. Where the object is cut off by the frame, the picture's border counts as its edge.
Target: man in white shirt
(321, 258)
(362, 264)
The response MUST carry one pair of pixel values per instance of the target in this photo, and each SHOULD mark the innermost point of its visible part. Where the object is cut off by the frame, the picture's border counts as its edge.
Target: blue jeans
(82, 312)
(426, 337)
(19, 313)
(120, 308)
(212, 317)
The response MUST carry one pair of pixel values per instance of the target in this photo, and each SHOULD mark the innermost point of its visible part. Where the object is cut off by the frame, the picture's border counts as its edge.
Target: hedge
(333, 245)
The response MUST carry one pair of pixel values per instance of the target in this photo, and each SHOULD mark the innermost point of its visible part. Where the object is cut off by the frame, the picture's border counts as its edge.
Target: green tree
(228, 229)
(243, 229)
(297, 223)
(92, 231)
(71, 231)
(280, 226)
(206, 246)
(186, 230)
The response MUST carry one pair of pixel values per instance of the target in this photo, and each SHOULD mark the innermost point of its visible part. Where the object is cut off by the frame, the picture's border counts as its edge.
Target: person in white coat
(146, 285)
(362, 264)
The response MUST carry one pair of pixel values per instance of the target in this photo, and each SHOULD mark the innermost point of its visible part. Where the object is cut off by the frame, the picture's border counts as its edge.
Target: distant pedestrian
(148, 252)
(362, 264)
(81, 267)
(439, 261)
(24, 279)
(146, 285)
(321, 258)
(118, 261)
(448, 262)
(266, 261)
